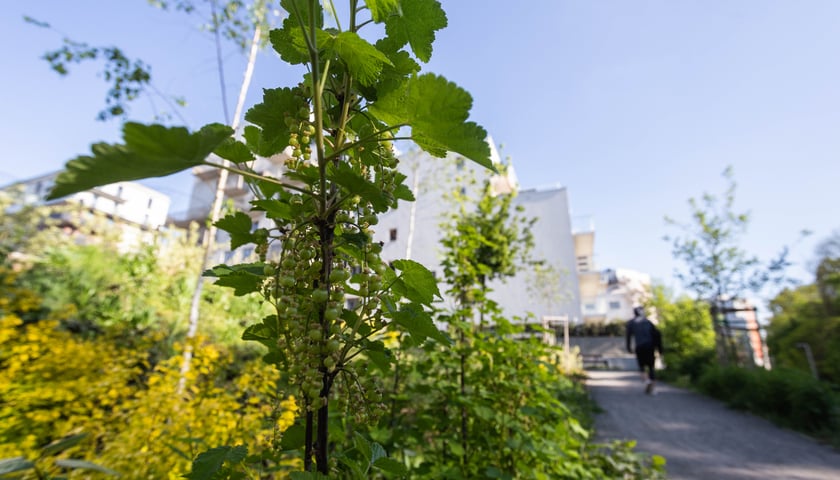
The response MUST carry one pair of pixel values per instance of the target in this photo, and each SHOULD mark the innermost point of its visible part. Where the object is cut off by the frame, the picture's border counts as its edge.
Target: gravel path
(703, 439)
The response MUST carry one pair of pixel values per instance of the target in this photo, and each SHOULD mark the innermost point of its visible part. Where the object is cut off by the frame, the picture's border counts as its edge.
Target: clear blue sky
(634, 106)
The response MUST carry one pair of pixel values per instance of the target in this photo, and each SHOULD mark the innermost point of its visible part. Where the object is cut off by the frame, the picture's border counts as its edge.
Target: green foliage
(689, 338)
(44, 463)
(128, 78)
(149, 151)
(790, 398)
(800, 317)
(716, 266)
(525, 418)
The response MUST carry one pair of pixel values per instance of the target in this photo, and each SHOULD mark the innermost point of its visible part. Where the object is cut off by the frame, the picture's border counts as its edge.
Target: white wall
(552, 232)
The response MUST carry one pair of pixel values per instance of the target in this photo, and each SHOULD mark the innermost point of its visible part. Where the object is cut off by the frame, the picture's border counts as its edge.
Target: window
(589, 307)
(393, 234)
(150, 203)
(615, 305)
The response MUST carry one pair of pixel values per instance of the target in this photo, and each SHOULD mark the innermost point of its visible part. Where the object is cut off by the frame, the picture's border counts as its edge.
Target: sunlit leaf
(363, 60)
(238, 226)
(437, 112)
(416, 24)
(149, 151)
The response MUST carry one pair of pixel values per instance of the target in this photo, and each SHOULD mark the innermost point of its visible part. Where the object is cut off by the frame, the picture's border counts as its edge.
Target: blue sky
(634, 106)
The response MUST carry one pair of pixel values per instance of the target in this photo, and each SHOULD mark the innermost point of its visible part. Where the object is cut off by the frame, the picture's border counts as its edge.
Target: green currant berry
(331, 314)
(320, 295)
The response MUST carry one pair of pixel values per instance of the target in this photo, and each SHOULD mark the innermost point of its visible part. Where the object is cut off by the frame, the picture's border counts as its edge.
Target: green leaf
(274, 209)
(420, 283)
(62, 444)
(389, 465)
(244, 279)
(270, 116)
(289, 43)
(14, 464)
(342, 174)
(238, 226)
(363, 446)
(415, 24)
(235, 151)
(84, 465)
(658, 461)
(210, 462)
(260, 333)
(260, 146)
(436, 110)
(381, 358)
(301, 7)
(149, 151)
(380, 9)
(376, 452)
(293, 437)
(363, 59)
(418, 323)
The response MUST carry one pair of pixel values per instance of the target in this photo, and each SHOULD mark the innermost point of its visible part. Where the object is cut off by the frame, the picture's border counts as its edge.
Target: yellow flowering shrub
(53, 384)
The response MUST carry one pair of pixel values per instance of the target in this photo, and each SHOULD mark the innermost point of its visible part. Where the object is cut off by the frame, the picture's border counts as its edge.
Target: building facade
(607, 295)
(414, 231)
(137, 212)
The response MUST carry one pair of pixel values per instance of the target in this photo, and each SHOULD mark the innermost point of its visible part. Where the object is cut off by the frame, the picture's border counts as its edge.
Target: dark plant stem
(308, 450)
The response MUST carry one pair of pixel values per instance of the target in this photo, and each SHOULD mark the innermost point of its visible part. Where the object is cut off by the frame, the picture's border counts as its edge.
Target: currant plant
(333, 296)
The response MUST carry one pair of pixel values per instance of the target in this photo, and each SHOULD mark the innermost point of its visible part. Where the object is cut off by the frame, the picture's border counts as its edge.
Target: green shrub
(788, 397)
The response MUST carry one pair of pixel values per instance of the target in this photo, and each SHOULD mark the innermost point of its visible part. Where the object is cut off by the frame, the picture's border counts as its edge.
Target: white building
(139, 211)
(419, 239)
(606, 295)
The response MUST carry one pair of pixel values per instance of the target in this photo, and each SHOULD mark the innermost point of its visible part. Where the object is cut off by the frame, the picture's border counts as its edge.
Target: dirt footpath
(701, 438)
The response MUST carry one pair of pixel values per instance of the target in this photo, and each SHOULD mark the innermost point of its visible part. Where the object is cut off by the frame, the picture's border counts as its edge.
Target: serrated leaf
(149, 151)
(301, 7)
(418, 323)
(63, 444)
(238, 226)
(376, 452)
(382, 359)
(293, 437)
(84, 465)
(363, 59)
(208, 463)
(419, 280)
(260, 146)
(15, 464)
(259, 333)
(342, 174)
(437, 111)
(241, 284)
(381, 9)
(274, 209)
(389, 465)
(289, 43)
(363, 446)
(415, 23)
(357, 239)
(270, 116)
(234, 150)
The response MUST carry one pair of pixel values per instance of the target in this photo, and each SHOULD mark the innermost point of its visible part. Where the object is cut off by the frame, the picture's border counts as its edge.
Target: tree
(687, 331)
(338, 124)
(718, 269)
(808, 316)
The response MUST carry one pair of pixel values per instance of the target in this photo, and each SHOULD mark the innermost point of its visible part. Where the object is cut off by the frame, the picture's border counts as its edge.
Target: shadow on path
(701, 438)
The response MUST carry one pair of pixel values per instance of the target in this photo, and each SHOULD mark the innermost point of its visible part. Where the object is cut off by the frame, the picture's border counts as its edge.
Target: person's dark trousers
(645, 358)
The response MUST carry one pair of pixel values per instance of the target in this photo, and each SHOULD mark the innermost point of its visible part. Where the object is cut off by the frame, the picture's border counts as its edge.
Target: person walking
(647, 340)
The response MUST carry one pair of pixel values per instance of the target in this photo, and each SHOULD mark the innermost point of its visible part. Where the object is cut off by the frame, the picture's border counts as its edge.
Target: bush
(789, 398)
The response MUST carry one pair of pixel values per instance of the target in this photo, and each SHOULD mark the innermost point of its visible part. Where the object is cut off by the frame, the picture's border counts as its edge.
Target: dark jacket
(644, 333)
